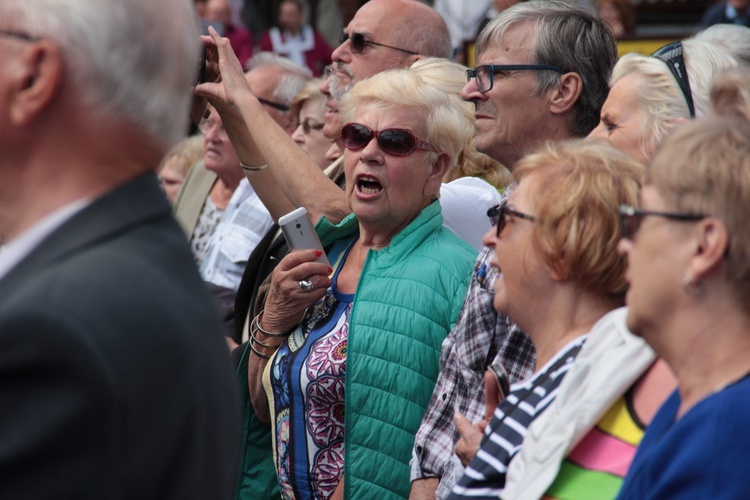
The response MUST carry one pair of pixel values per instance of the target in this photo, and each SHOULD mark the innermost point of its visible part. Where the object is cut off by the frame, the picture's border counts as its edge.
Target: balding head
(406, 30)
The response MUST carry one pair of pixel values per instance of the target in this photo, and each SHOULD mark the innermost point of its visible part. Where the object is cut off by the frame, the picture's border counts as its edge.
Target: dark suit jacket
(115, 382)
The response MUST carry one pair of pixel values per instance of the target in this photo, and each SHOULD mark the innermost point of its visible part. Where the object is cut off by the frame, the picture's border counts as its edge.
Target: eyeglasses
(485, 74)
(358, 43)
(631, 218)
(328, 71)
(20, 36)
(309, 125)
(275, 105)
(394, 141)
(499, 213)
(207, 125)
(671, 54)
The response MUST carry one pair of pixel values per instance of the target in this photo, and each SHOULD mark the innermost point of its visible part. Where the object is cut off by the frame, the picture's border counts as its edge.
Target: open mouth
(368, 185)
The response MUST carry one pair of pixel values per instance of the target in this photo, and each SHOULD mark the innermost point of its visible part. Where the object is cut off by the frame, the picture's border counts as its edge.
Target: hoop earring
(692, 288)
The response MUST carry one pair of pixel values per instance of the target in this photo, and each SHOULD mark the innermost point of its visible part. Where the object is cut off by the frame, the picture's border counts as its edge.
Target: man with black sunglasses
(535, 82)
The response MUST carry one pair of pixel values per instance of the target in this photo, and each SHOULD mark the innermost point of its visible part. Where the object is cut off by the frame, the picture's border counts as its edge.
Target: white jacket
(611, 360)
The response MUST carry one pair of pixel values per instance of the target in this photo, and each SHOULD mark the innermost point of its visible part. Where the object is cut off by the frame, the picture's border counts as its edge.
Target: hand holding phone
(501, 377)
(300, 234)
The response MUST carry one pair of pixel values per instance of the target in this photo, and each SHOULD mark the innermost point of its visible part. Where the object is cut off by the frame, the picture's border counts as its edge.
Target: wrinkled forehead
(509, 35)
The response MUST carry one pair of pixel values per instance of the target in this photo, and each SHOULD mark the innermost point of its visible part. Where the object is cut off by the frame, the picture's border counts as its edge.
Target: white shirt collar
(22, 245)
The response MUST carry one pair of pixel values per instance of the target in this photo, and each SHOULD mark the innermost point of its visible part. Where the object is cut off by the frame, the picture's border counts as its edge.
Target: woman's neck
(711, 351)
(221, 193)
(568, 316)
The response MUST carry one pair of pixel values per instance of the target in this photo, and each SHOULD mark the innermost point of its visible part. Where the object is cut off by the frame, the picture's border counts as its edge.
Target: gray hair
(295, 76)
(660, 100)
(134, 60)
(568, 37)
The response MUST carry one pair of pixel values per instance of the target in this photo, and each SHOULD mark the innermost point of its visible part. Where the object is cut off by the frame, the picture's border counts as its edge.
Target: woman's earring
(692, 288)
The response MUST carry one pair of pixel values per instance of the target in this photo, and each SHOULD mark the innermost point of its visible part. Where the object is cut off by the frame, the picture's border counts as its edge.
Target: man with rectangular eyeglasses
(534, 82)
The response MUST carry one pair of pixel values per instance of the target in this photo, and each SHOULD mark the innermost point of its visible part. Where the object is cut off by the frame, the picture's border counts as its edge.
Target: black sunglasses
(671, 54)
(274, 105)
(485, 74)
(309, 125)
(394, 141)
(358, 43)
(20, 36)
(498, 214)
(631, 218)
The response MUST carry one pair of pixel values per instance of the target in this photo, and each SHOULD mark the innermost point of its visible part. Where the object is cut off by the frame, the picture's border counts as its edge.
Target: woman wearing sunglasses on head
(689, 273)
(649, 98)
(555, 243)
(345, 357)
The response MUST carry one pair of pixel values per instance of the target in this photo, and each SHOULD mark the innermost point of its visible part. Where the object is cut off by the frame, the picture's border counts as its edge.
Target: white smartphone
(300, 234)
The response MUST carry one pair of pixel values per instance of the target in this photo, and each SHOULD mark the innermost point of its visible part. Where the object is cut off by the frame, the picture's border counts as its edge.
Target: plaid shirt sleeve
(479, 336)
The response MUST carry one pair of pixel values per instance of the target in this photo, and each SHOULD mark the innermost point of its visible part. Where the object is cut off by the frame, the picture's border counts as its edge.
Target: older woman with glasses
(649, 97)
(617, 378)
(688, 251)
(308, 106)
(344, 358)
(555, 243)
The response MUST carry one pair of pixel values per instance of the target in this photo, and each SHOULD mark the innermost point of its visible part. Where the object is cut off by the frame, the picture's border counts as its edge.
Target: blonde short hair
(577, 195)
(404, 89)
(187, 152)
(310, 92)
(704, 168)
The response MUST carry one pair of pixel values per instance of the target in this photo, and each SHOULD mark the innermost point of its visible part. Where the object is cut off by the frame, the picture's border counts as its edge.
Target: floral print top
(304, 381)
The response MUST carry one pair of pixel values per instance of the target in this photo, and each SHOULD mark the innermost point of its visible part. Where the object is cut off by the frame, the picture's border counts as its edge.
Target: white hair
(294, 78)
(732, 37)
(660, 100)
(134, 60)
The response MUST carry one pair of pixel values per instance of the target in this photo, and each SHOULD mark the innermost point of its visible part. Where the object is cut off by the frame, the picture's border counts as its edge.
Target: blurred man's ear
(37, 75)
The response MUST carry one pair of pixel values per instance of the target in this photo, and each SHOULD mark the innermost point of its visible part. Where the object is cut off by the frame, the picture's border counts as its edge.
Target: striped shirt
(485, 475)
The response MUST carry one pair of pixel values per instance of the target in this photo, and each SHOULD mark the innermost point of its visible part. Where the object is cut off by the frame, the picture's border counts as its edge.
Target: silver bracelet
(255, 327)
(248, 168)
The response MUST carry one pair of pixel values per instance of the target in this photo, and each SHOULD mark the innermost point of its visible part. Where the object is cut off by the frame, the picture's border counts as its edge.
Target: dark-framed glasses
(275, 105)
(499, 213)
(671, 54)
(394, 141)
(308, 125)
(18, 35)
(485, 74)
(631, 218)
(358, 42)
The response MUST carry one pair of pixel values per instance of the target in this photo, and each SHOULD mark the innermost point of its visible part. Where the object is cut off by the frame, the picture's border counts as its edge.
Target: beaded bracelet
(248, 168)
